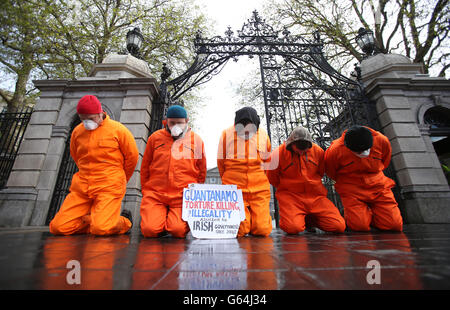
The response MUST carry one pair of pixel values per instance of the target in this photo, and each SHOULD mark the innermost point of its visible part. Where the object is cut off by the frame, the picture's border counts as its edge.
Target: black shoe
(163, 234)
(127, 214)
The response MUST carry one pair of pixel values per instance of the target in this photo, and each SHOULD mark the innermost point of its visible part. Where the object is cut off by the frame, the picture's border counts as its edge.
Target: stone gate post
(402, 93)
(126, 89)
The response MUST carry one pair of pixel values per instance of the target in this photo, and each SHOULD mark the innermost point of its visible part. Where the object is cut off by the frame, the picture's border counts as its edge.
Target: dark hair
(245, 121)
(248, 113)
(358, 138)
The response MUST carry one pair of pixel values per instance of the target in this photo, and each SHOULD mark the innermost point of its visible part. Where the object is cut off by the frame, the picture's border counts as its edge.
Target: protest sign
(213, 211)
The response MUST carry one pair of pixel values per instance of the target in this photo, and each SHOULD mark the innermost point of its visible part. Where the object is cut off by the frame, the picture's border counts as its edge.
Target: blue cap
(176, 111)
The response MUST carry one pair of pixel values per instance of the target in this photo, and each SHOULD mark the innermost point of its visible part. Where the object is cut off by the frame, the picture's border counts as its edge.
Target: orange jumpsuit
(300, 192)
(240, 162)
(106, 158)
(364, 189)
(168, 166)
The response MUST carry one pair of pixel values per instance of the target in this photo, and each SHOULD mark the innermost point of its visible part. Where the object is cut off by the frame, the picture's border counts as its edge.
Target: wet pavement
(418, 258)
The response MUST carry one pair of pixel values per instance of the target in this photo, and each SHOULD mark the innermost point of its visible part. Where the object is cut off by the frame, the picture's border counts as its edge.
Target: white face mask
(89, 124)
(363, 154)
(177, 130)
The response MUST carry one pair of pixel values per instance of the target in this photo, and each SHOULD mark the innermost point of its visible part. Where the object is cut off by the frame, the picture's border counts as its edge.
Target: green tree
(417, 29)
(87, 30)
(22, 28)
(70, 36)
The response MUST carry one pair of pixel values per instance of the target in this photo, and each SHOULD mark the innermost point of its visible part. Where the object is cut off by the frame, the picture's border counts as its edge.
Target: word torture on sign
(213, 211)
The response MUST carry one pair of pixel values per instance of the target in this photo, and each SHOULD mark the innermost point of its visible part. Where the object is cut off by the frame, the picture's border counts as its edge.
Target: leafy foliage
(63, 39)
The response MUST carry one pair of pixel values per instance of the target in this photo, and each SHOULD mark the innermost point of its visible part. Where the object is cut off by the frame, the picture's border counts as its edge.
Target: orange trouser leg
(160, 214)
(366, 209)
(257, 214)
(175, 224)
(386, 214)
(326, 216)
(105, 215)
(292, 212)
(244, 228)
(153, 215)
(69, 219)
(357, 213)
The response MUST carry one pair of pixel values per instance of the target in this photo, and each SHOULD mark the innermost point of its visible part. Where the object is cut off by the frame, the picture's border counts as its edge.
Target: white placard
(213, 211)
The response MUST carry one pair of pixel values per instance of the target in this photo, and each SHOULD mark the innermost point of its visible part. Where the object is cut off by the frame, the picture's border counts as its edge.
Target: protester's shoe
(310, 229)
(163, 234)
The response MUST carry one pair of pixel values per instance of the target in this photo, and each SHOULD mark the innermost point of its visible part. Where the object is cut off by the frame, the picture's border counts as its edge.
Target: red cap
(89, 104)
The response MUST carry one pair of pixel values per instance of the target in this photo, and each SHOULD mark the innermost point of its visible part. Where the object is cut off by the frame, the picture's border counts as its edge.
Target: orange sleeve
(73, 147)
(269, 148)
(267, 156)
(387, 152)
(201, 164)
(320, 158)
(146, 162)
(221, 154)
(330, 162)
(273, 174)
(129, 150)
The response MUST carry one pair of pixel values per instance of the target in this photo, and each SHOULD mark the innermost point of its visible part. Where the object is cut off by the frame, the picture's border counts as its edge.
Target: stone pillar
(399, 88)
(126, 90)
(27, 177)
(136, 111)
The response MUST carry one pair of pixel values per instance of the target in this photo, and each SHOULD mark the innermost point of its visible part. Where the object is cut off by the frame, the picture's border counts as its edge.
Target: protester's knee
(99, 230)
(59, 228)
(292, 224)
(355, 225)
(340, 226)
(243, 231)
(261, 231)
(150, 232)
(291, 229)
(55, 228)
(394, 225)
(178, 230)
(397, 225)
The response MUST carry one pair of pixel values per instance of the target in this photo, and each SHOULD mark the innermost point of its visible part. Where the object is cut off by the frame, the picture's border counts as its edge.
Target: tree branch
(442, 72)
(402, 27)
(10, 66)
(397, 24)
(5, 97)
(359, 14)
(432, 33)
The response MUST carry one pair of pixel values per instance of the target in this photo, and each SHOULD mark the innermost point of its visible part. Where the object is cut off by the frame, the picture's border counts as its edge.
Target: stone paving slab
(416, 259)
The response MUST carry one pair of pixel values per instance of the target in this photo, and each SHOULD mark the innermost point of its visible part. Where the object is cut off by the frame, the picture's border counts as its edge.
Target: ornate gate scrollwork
(300, 87)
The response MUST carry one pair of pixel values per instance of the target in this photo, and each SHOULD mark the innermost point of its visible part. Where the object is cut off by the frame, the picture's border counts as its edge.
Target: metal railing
(12, 130)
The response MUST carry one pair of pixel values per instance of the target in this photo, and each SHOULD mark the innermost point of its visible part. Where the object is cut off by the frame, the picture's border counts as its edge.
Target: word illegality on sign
(213, 211)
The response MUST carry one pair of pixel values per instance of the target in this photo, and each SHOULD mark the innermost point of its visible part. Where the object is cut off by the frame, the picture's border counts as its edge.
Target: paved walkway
(418, 258)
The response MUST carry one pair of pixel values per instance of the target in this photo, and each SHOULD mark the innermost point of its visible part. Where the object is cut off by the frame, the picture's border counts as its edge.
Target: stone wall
(126, 90)
(402, 94)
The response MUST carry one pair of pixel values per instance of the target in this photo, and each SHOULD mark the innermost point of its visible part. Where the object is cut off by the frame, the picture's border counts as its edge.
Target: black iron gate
(299, 86)
(66, 171)
(12, 129)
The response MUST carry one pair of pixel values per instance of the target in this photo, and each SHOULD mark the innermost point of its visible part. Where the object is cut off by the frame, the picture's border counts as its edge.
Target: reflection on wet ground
(418, 258)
